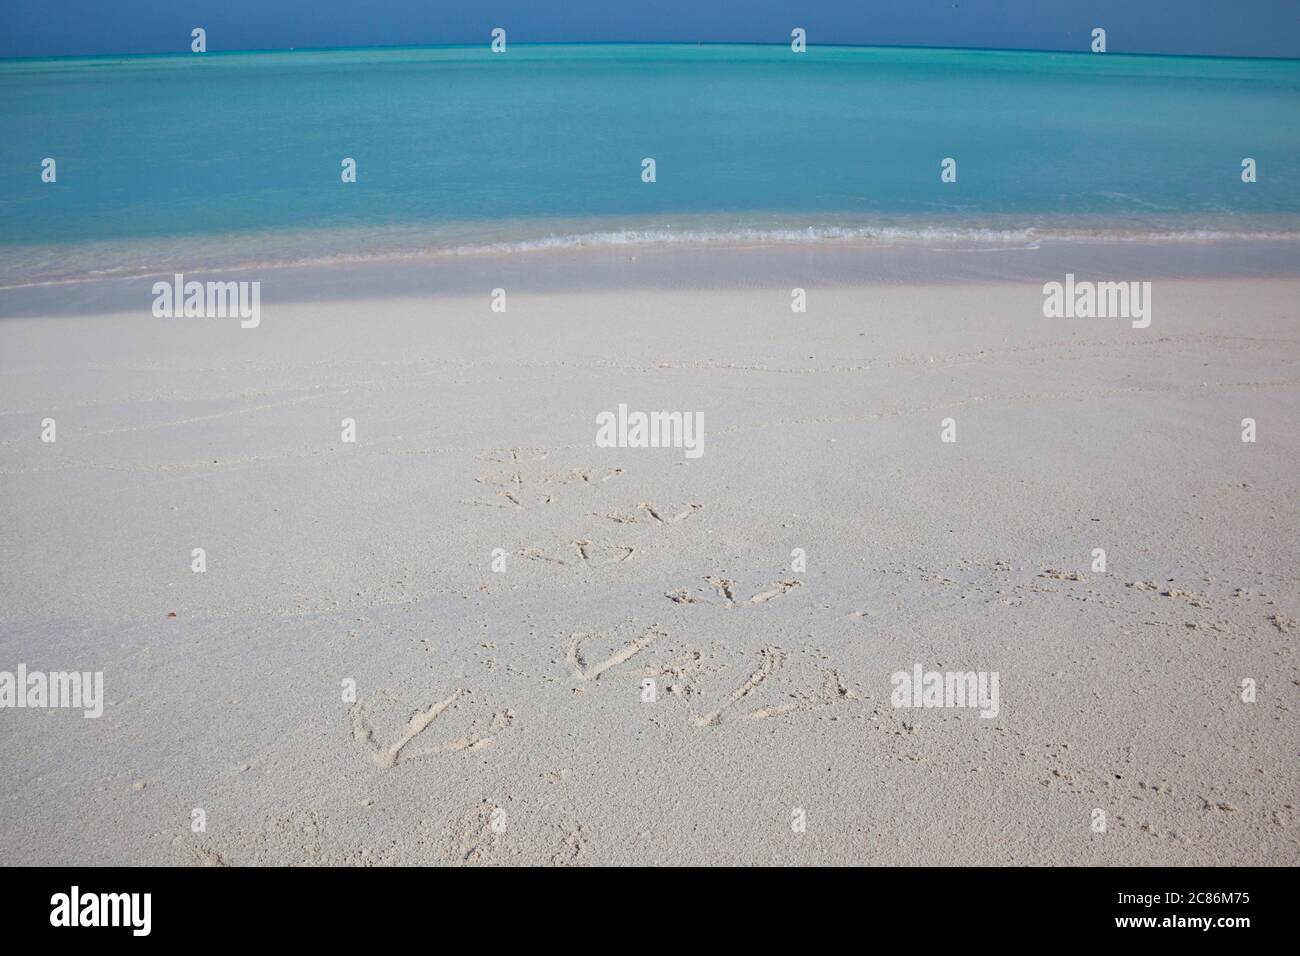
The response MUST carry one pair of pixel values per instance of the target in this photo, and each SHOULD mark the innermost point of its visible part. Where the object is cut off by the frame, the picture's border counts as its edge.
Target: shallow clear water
(220, 160)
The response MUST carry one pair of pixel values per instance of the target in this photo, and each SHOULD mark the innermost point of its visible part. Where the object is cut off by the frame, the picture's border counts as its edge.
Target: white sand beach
(520, 691)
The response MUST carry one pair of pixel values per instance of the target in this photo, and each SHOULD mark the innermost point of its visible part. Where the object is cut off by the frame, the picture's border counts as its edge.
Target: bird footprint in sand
(654, 515)
(584, 671)
(772, 659)
(726, 590)
(394, 753)
(588, 553)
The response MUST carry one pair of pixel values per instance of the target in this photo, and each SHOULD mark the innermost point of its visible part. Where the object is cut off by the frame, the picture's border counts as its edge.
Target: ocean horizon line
(252, 51)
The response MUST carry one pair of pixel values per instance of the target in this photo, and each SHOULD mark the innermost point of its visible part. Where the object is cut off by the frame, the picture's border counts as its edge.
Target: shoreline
(682, 265)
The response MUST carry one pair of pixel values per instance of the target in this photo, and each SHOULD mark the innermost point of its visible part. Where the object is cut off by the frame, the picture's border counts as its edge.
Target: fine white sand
(522, 690)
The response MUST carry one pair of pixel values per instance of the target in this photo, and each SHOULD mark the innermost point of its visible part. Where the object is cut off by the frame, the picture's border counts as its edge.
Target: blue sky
(1199, 27)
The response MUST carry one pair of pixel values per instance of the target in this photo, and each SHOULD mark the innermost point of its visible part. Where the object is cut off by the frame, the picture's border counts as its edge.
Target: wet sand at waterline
(499, 716)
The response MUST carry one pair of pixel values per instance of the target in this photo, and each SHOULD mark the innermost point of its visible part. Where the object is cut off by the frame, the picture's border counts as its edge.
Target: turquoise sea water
(219, 160)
